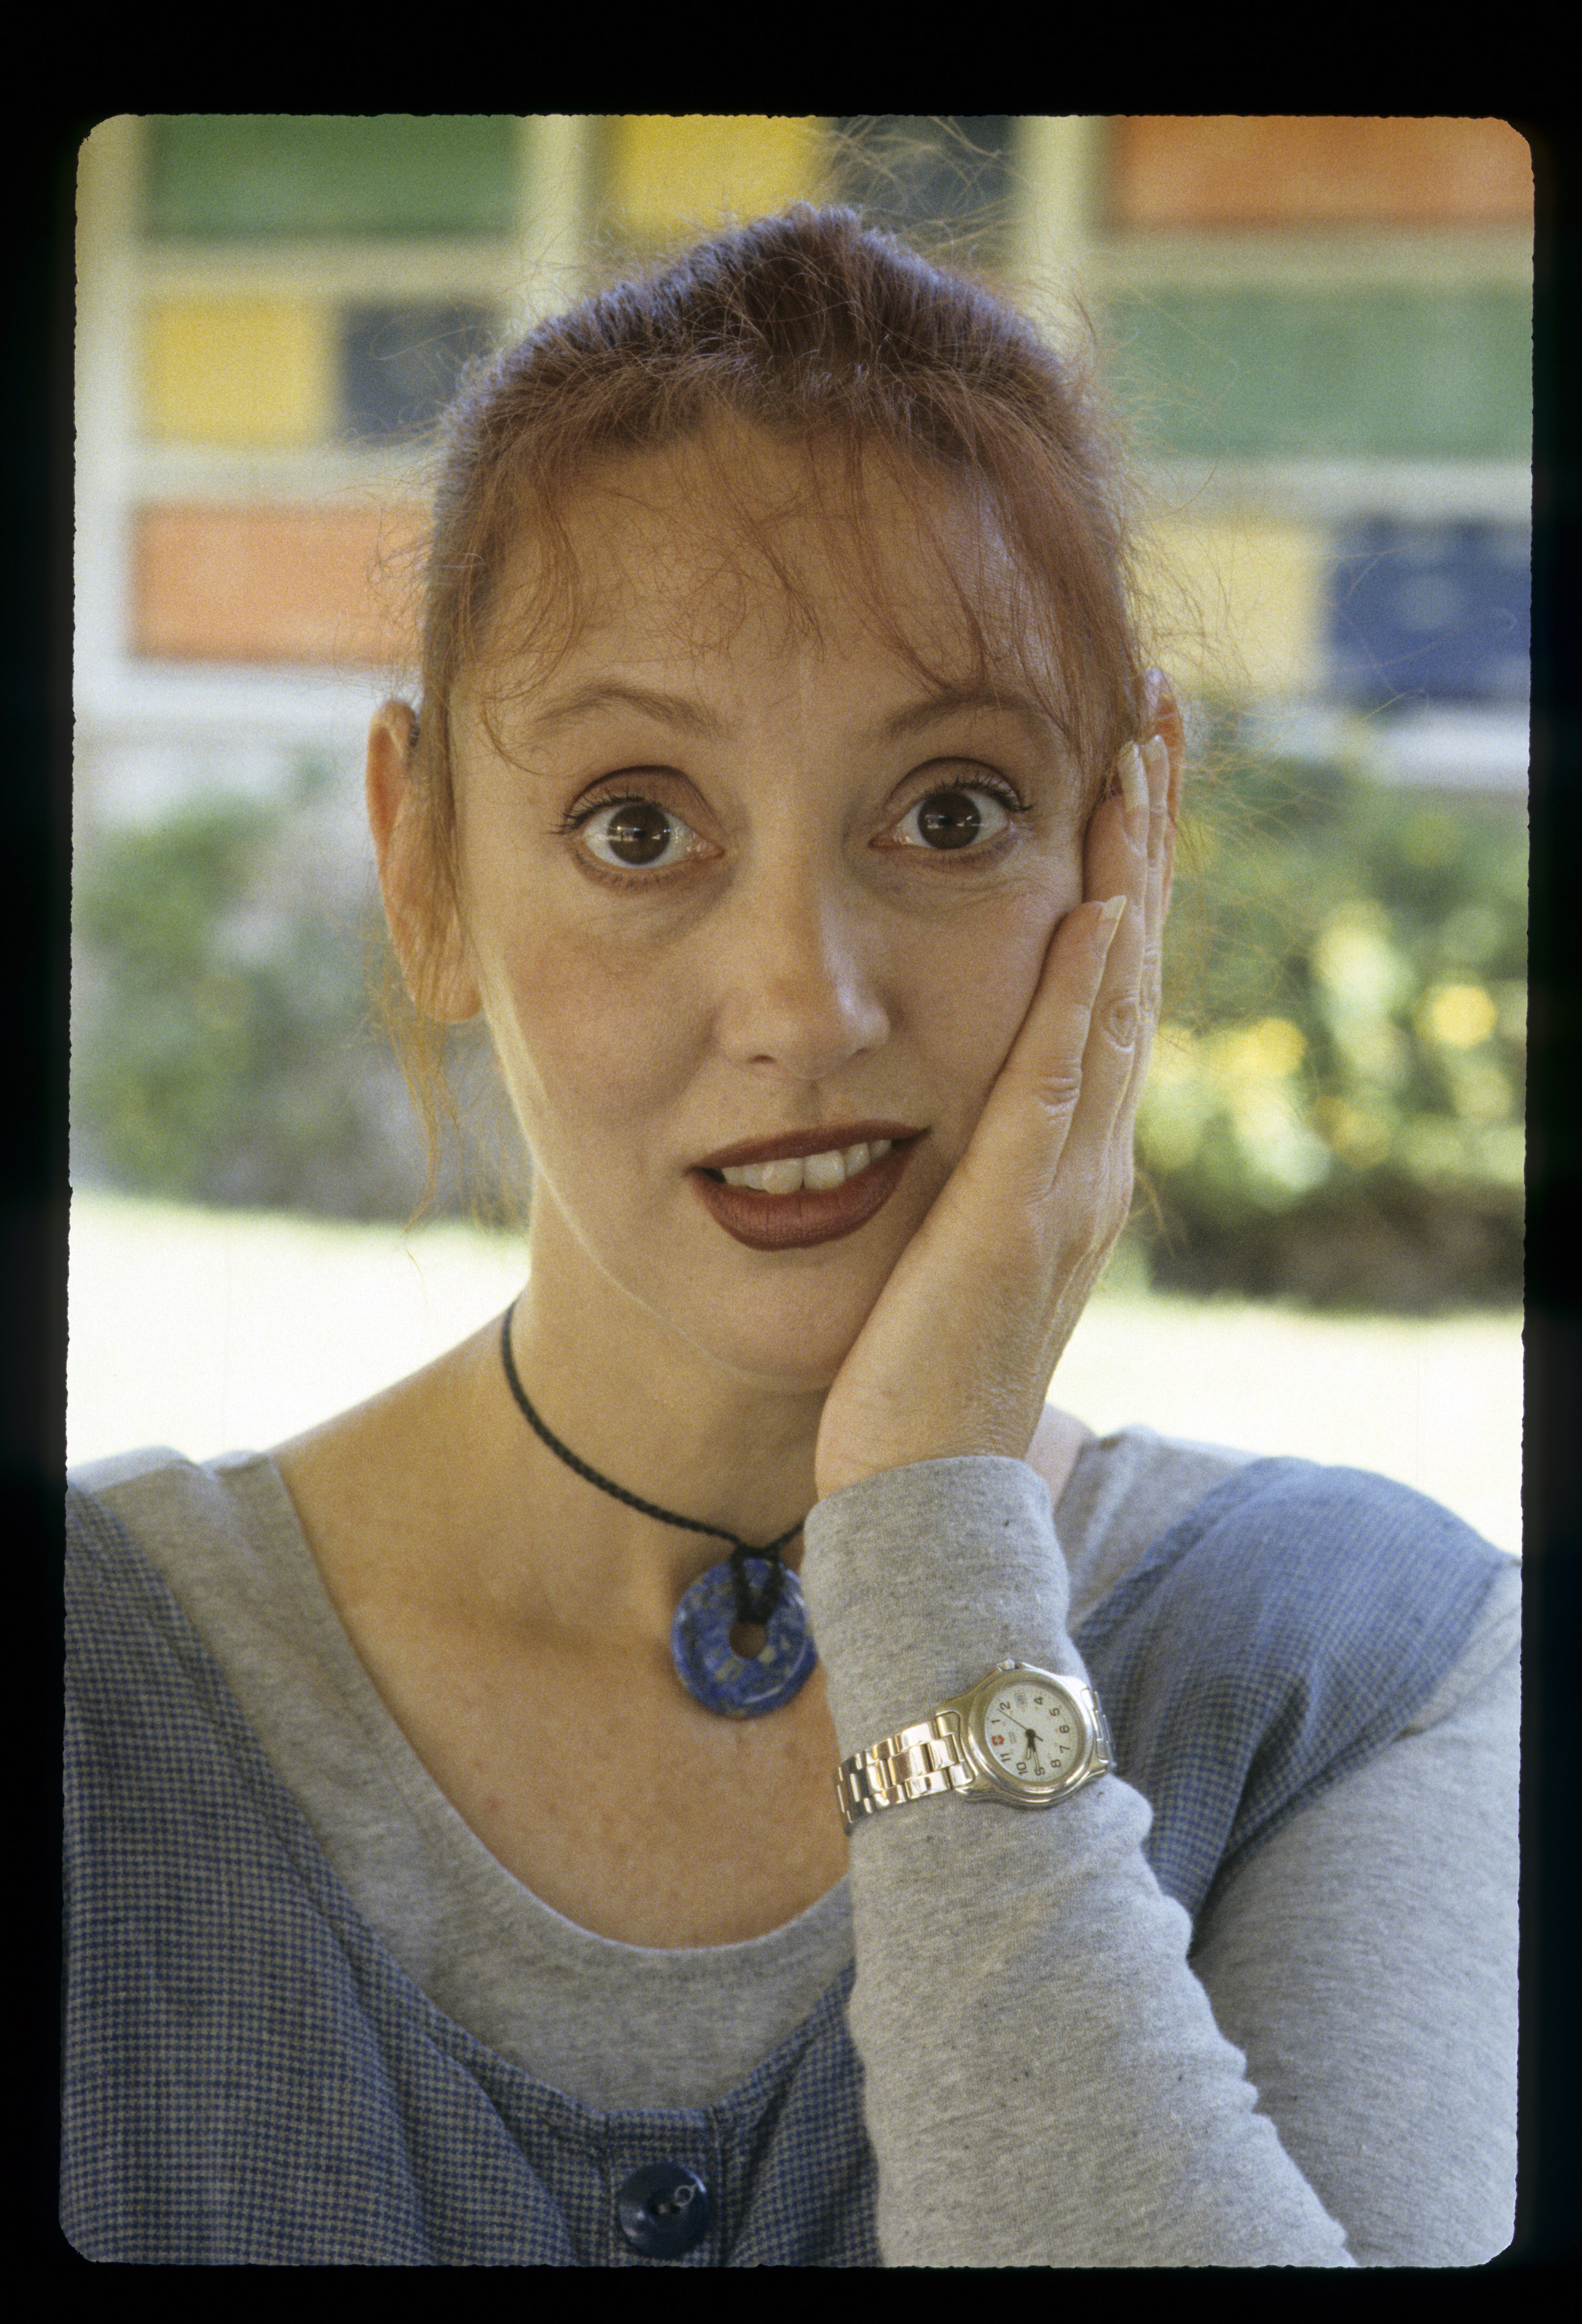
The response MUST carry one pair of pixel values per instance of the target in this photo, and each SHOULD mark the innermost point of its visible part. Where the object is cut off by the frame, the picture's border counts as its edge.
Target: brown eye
(954, 818)
(637, 835)
(950, 819)
(634, 832)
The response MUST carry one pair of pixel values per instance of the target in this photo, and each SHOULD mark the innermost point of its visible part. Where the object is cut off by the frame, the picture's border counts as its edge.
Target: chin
(793, 1337)
(782, 1321)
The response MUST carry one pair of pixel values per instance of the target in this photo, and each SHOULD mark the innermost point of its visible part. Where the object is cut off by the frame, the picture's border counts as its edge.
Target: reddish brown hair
(828, 335)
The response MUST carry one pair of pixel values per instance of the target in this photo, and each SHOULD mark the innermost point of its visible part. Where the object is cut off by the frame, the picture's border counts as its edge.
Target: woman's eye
(958, 816)
(636, 835)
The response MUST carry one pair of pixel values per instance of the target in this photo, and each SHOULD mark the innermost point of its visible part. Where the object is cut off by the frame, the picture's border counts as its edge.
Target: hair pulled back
(814, 328)
(822, 333)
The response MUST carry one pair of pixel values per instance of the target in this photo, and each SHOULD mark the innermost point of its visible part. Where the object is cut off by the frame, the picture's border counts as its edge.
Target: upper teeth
(815, 1170)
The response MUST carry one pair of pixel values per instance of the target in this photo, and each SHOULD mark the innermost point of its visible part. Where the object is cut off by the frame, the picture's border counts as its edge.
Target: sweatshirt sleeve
(1045, 2082)
(1370, 1980)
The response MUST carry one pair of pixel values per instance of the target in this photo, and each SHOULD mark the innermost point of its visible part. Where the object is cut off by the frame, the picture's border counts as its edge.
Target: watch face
(1031, 1730)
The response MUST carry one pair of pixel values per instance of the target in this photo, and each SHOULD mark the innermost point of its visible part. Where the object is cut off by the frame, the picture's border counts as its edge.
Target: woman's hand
(959, 1352)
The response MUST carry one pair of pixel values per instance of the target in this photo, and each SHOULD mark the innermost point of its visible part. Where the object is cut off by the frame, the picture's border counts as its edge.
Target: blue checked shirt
(250, 2077)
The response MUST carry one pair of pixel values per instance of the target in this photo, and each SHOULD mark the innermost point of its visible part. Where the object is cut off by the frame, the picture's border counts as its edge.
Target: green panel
(253, 175)
(1396, 373)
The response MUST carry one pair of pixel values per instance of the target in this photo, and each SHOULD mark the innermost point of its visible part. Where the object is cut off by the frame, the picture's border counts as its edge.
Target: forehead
(735, 539)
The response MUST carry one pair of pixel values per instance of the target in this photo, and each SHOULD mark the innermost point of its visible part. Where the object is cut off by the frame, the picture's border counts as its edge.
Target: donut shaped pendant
(708, 1665)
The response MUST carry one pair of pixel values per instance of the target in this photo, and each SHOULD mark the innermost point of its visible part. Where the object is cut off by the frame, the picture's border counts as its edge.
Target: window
(1430, 614)
(401, 363)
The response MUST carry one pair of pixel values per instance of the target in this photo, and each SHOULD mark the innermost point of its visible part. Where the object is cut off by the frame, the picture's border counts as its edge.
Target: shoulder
(163, 1553)
(101, 1480)
(158, 1503)
(1124, 1489)
(118, 1510)
(1347, 1543)
(147, 1706)
(1291, 1565)
(1285, 1629)
(1149, 1518)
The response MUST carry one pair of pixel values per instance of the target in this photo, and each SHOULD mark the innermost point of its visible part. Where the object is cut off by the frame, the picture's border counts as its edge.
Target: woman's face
(728, 878)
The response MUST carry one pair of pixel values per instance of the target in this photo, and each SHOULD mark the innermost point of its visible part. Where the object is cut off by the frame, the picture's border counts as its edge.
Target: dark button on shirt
(664, 2210)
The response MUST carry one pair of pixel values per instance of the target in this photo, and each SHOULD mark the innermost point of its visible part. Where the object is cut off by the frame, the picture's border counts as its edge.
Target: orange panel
(274, 585)
(1265, 169)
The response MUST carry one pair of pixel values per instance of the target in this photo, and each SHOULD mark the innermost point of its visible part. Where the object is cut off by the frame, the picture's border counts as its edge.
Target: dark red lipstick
(811, 1215)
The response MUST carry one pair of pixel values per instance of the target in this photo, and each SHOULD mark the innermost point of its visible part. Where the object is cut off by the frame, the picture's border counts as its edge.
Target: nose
(800, 980)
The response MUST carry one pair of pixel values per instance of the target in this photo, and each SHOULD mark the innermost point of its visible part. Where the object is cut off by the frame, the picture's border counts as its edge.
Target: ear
(423, 925)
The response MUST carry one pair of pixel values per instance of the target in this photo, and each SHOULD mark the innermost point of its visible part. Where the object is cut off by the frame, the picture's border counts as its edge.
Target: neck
(659, 1417)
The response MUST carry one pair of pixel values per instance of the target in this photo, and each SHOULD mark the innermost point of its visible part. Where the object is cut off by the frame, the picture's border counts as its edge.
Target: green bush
(221, 1051)
(1336, 1099)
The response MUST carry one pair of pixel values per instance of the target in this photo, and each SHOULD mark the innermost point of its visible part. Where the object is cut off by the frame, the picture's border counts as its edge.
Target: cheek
(584, 1039)
(975, 983)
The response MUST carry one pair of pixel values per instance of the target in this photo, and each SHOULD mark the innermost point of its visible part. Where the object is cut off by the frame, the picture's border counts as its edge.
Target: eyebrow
(695, 717)
(612, 694)
(949, 701)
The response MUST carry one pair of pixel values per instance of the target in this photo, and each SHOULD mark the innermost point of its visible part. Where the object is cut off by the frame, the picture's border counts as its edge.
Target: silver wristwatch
(1021, 1735)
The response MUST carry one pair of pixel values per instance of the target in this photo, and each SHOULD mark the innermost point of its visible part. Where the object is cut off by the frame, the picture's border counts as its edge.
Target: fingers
(1125, 840)
(1128, 855)
(1082, 1050)
(1161, 778)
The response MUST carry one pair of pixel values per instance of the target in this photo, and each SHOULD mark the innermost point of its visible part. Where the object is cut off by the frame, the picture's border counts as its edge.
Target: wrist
(919, 1579)
(836, 1472)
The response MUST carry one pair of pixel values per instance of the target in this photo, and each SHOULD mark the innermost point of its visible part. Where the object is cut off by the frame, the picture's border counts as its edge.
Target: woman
(566, 1809)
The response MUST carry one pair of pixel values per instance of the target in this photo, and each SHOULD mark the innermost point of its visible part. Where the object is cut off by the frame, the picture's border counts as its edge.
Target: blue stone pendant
(709, 1666)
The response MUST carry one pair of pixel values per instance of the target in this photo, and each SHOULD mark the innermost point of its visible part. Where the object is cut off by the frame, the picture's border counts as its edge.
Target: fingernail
(1134, 790)
(1109, 919)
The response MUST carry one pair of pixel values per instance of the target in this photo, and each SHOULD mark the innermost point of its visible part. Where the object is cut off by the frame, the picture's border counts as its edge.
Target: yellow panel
(670, 171)
(1241, 605)
(246, 372)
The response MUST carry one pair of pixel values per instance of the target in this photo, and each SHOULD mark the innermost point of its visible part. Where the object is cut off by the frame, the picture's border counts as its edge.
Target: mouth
(784, 1193)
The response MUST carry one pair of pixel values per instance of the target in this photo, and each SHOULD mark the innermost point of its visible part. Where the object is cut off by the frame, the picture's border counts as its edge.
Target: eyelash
(578, 818)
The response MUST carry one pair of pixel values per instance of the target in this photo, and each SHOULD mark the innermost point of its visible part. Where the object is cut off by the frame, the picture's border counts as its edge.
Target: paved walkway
(333, 1313)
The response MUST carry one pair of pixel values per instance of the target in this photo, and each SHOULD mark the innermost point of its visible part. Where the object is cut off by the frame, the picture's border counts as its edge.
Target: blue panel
(400, 363)
(1430, 614)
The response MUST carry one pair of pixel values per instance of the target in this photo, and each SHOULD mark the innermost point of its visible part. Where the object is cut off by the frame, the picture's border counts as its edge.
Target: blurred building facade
(1321, 329)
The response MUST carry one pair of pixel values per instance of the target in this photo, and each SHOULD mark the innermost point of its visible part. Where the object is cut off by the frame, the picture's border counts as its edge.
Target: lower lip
(793, 1222)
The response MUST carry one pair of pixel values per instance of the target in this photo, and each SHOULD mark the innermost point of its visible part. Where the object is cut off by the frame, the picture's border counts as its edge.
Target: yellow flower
(1267, 1051)
(1458, 1016)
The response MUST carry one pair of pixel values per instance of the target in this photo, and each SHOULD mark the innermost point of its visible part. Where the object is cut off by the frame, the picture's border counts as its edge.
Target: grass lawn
(159, 1297)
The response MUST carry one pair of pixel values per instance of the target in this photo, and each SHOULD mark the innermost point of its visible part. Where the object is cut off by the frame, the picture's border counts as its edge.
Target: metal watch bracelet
(933, 1755)
(907, 1766)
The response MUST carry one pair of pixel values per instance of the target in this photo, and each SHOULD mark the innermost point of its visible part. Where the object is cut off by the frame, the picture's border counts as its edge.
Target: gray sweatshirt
(1061, 2065)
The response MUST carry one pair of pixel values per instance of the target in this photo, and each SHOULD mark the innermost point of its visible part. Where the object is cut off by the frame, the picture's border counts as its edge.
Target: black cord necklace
(737, 1686)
